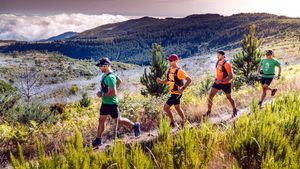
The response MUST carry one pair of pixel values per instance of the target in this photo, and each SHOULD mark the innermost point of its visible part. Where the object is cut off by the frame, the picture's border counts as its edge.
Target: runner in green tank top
(267, 70)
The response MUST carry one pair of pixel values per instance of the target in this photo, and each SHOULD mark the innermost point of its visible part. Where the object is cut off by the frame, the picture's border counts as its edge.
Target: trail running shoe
(260, 104)
(273, 92)
(97, 142)
(173, 124)
(182, 124)
(207, 114)
(234, 112)
(137, 129)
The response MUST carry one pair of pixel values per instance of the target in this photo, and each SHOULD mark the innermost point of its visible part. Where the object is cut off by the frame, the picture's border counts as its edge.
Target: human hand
(158, 80)
(218, 81)
(99, 94)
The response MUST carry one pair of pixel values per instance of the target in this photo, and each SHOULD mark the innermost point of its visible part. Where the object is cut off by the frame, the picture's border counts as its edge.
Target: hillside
(131, 40)
(61, 36)
(53, 67)
(207, 145)
(54, 75)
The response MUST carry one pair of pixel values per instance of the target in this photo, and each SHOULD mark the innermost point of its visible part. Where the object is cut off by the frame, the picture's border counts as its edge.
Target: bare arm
(279, 71)
(119, 81)
(160, 81)
(258, 69)
(229, 77)
(188, 82)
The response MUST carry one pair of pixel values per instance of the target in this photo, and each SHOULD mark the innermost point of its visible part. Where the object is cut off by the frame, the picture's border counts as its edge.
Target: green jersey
(268, 67)
(110, 81)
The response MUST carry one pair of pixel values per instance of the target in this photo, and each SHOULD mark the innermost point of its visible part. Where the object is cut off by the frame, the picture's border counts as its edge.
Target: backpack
(104, 87)
(177, 81)
(225, 73)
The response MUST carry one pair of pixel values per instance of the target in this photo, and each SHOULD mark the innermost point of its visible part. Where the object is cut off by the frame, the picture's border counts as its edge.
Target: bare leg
(268, 87)
(101, 125)
(230, 100)
(180, 112)
(211, 96)
(168, 112)
(125, 122)
(264, 93)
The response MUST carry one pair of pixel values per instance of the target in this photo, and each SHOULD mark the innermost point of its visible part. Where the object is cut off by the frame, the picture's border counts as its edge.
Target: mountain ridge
(130, 41)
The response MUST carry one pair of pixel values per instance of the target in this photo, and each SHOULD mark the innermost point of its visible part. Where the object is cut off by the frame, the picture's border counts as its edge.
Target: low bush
(57, 108)
(85, 101)
(74, 89)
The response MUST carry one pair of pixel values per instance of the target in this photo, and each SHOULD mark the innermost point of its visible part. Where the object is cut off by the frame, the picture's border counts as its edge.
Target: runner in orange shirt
(222, 82)
(175, 78)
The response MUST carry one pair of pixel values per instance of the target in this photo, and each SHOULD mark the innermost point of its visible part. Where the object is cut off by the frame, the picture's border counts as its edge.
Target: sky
(175, 8)
(39, 19)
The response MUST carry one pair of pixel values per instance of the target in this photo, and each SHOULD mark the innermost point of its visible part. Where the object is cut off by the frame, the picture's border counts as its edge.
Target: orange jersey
(220, 75)
(181, 74)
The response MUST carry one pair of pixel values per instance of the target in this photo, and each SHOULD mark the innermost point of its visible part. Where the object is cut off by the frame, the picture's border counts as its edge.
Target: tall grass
(212, 142)
(268, 138)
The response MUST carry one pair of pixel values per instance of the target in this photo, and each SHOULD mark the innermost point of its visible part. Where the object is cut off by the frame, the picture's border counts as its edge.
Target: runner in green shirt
(267, 70)
(109, 106)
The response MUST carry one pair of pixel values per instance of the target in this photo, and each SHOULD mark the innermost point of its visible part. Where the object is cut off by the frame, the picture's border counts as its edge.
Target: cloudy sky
(38, 19)
(31, 28)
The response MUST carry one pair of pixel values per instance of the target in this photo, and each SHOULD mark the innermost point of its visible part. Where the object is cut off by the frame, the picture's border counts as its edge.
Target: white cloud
(23, 27)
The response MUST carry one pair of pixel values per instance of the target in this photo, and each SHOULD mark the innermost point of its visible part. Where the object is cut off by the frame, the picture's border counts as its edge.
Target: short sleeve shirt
(111, 82)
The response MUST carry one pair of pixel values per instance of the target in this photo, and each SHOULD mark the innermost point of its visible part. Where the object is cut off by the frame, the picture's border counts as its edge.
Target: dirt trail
(150, 136)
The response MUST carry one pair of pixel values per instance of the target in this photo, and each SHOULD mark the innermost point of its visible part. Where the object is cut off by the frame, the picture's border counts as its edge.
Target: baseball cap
(173, 57)
(103, 61)
(269, 52)
(221, 52)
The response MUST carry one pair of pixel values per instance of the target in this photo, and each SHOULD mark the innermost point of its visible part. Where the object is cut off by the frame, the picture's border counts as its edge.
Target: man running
(267, 70)
(175, 78)
(109, 84)
(222, 82)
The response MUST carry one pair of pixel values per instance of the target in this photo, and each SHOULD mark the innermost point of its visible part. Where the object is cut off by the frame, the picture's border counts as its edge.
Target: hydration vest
(104, 87)
(224, 71)
(177, 81)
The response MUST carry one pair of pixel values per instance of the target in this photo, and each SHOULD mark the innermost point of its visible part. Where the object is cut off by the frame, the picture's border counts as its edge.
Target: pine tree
(245, 63)
(85, 101)
(158, 68)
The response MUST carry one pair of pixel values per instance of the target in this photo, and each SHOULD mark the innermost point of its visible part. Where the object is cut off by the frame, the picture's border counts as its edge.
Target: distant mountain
(60, 37)
(6, 42)
(131, 41)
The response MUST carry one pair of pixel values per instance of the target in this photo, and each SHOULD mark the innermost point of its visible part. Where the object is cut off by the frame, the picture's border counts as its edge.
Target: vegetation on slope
(52, 131)
(268, 138)
(131, 40)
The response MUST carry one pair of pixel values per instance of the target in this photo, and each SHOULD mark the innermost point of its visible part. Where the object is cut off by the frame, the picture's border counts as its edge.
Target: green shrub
(74, 89)
(204, 86)
(25, 113)
(57, 108)
(138, 159)
(8, 97)
(85, 101)
(268, 138)
(143, 109)
(158, 69)
(5, 87)
(245, 63)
